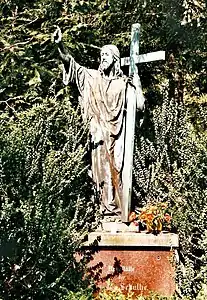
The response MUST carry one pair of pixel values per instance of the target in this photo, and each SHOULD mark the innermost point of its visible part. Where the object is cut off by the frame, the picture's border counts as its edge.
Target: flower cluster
(155, 217)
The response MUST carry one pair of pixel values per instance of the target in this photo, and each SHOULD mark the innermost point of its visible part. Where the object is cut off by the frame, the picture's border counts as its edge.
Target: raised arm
(70, 66)
(72, 71)
(63, 51)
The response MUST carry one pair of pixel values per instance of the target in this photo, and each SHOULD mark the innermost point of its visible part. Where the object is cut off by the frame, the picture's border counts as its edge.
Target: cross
(132, 61)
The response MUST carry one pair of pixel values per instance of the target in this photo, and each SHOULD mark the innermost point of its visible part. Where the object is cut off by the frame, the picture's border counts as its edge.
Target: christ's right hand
(57, 35)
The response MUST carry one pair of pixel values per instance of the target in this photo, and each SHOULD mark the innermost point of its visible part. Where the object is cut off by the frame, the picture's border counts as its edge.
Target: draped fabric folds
(103, 102)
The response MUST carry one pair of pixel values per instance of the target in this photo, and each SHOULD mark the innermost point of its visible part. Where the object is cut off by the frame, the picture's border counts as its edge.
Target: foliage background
(43, 152)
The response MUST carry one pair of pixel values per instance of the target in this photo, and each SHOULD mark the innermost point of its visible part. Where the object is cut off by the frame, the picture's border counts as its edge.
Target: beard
(106, 65)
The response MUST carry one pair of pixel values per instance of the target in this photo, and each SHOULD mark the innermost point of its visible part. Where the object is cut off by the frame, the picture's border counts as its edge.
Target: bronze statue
(103, 100)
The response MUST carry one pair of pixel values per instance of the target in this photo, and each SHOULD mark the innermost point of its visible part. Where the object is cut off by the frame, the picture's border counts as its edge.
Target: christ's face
(107, 59)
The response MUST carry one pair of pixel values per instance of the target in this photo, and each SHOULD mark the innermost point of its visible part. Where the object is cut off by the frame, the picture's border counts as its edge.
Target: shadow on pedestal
(139, 262)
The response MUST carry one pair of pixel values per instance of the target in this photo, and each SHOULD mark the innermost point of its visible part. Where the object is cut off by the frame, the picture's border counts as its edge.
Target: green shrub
(170, 166)
(46, 206)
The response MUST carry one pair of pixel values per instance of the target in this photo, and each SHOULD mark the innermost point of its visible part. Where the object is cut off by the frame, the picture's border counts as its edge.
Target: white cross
(132, 61)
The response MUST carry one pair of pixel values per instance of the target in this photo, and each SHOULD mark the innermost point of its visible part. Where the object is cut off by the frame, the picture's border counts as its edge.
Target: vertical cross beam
(130, 125)
(134, 48)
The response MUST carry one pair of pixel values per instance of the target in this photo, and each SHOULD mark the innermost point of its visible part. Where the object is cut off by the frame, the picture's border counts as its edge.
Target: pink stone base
(137, 268)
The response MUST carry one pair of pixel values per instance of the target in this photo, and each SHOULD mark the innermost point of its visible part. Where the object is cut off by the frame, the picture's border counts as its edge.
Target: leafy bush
(46, 206)
(170, 166)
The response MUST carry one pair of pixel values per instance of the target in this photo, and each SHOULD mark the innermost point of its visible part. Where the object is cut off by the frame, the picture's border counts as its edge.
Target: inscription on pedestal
(124, 268)
(134, 287)
(138, 269)
(129, 287)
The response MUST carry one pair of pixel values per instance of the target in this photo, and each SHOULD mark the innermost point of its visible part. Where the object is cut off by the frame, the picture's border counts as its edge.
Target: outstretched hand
(57, 35)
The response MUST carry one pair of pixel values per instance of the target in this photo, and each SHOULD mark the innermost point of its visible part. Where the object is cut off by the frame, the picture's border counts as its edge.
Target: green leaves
(169, 165)
(36, 79)
(46, 206)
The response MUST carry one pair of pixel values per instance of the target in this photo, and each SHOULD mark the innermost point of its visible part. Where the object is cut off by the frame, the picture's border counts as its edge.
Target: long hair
(116, 55)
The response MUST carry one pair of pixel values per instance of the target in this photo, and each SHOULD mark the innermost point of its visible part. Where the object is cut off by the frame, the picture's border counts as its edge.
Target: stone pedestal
(139, 262)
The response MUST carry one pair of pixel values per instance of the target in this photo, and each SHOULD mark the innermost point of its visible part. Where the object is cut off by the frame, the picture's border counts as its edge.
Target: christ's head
(110, 60)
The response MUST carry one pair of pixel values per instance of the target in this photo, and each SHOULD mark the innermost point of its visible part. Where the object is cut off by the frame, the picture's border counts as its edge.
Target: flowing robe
(103, 102)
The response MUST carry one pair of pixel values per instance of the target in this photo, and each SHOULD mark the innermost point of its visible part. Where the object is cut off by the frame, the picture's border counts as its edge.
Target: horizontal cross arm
(152, 56)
